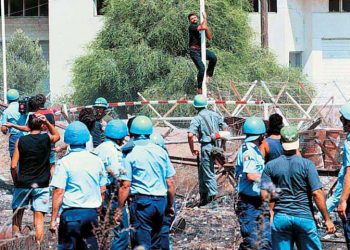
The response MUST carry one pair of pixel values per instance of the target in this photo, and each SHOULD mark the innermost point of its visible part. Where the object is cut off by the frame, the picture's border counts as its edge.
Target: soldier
(79, 185)
(110, 153)
(253, 216)
(204, 125)
(102, 118)
(149, 178)
(165, 242)
(343, 207)
(11, 115)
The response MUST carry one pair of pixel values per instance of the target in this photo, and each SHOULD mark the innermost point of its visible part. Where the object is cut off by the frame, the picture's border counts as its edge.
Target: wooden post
(264, 24)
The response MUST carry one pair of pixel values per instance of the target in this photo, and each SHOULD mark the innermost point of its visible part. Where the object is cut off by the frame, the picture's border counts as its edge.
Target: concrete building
(310, 34)
(314, 36)
(73, 25)
(63, 28)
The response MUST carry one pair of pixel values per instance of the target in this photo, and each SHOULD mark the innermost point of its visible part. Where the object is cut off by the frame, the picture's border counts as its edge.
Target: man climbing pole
(195, 48)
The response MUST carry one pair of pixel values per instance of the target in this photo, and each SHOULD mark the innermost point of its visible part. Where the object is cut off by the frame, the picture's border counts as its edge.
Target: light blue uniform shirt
(346, 161)
(199, 128)
(11, 114)
(111, 156)
(148, 167)
(249, 161)
(80, 174)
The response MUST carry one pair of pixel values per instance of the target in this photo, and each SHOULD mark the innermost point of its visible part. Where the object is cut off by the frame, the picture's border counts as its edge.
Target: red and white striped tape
(160, 102)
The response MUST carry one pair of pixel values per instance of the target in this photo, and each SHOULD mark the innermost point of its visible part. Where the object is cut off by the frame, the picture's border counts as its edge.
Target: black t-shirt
(34, 160)
(194, 36)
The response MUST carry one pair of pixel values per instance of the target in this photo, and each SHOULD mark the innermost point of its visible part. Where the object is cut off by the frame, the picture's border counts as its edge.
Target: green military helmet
(12, 95)
(101, 102)
(290, 138)
(200, 101)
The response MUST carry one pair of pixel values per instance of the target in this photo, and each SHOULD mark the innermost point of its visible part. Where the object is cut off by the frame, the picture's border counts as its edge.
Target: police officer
(253, 216)
(102, 118)
(165, 242)
(12, 115)
(110, 153)
(149, 176)
(343, 207)
(79, 185)
(203, 125)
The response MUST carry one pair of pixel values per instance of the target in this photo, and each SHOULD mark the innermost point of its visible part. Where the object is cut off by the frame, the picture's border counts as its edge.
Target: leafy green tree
(26, 67)
(143, 47)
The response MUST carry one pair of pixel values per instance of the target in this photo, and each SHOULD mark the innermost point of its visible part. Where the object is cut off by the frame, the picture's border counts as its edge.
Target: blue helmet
(345, 111)
(141, 125)
(253, 127)
(157, 139)
(76, 134)
(116, 129)
(101, 102)
(200, 101)
(12, 95)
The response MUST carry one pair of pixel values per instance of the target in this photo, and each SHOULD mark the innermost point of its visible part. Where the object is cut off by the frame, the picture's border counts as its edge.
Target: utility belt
(78, 208)
(152, 197)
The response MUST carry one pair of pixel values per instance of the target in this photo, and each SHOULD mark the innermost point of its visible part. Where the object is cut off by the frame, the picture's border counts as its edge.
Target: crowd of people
(123, 169)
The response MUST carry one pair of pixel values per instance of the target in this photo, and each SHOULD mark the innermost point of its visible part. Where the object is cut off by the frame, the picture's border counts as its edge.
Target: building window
(346, 5)
(31, 8)
(26, 7)
(16, 8)
(99, 4)
(43, 7)
(295, 59)
(271, 5)
(254, 5)
(339, 5)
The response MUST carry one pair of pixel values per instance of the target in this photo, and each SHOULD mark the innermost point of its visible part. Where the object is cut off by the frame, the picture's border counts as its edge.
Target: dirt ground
(206, 228)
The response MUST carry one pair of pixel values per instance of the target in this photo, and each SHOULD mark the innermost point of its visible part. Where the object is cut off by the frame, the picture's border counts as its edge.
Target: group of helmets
(77, 133)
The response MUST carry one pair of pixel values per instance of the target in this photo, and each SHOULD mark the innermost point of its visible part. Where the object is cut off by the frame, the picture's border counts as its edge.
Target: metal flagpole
(203, 49)
(4, 66)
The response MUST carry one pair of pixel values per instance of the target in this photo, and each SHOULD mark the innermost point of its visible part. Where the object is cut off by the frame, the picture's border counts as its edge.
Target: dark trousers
(346, 225)
(196, 58)
(164, 240)
(76, 229)
(146, 217)
(254, 220)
